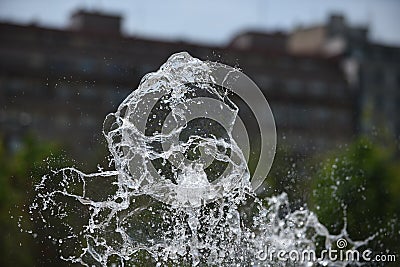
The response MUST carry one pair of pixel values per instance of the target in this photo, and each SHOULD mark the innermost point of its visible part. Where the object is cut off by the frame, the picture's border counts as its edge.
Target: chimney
(95, 22)
(337, 25)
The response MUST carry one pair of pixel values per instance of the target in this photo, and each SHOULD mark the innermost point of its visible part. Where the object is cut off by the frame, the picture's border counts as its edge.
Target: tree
(19, 171)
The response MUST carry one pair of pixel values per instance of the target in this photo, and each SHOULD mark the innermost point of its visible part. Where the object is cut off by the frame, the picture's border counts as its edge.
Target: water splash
(180, 193)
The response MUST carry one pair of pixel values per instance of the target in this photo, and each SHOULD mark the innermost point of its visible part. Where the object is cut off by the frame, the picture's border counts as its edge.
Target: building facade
(372, 71)
(60, 83)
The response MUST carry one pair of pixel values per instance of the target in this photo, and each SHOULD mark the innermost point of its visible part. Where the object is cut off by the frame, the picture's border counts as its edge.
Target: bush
(364, 182)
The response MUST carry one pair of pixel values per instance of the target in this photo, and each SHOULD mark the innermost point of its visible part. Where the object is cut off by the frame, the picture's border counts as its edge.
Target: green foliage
(19, 170)
(364, 182)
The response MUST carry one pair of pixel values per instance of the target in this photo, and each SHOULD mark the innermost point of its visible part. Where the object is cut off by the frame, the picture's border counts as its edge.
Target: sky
(213, 21)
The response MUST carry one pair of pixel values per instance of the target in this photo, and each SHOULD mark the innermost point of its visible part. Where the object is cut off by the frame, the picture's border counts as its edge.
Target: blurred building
(61, 83)
(372, 71)
(260, 41)
(379, 82)
(332, 38)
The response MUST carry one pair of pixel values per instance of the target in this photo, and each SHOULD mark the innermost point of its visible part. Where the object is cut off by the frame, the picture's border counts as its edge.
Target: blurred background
(330, 71)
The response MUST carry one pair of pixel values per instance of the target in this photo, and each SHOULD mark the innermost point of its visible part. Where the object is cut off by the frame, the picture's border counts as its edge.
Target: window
(294, 86)
(317, 88)
(63, 91)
